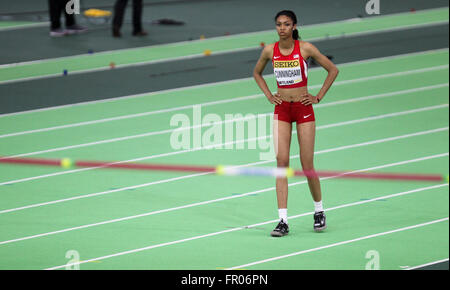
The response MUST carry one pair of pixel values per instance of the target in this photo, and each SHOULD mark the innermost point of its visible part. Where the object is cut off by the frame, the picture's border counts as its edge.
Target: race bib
(287, 72)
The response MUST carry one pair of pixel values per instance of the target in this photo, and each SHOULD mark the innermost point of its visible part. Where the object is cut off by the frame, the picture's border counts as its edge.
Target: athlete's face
(285, 26)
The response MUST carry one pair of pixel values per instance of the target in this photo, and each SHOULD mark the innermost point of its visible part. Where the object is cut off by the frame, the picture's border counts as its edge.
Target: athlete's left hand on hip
(308, 99)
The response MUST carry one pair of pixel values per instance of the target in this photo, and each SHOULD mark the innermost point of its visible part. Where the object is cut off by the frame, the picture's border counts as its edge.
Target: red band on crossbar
(370, 175)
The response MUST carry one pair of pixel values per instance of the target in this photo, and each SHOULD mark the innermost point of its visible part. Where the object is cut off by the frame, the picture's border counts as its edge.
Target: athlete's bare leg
(306, 134)
(282, 139)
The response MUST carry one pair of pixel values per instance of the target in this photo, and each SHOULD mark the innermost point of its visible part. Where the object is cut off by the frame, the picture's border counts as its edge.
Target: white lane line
(348, 64)
(378, 141)
(167, 131)
(427, 264)
(340, 243)
(384, 116)
(244, 227)
(130, 116)
(212, 201)
(244, 98)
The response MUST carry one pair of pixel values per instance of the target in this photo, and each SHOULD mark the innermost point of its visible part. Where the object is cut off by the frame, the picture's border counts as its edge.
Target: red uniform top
(291, 70)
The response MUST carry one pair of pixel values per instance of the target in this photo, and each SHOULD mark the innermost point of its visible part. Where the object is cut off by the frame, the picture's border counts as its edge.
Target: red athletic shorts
(294, 112)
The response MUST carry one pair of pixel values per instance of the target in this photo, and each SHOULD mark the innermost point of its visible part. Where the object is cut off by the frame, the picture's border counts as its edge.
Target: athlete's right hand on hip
(275, 99)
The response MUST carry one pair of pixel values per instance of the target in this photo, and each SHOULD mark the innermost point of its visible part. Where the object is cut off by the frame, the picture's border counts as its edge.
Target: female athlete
(293, 103)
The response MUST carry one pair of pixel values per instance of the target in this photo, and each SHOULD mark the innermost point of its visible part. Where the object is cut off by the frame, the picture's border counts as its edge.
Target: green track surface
(100, 61)
(14, 24)
(198, 221)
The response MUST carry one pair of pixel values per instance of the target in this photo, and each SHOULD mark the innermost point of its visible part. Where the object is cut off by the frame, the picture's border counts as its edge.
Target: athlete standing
(293, 103)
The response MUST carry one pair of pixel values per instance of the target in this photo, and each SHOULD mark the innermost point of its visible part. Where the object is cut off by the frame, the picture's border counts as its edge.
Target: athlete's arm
(312, 51)
(266, 56)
